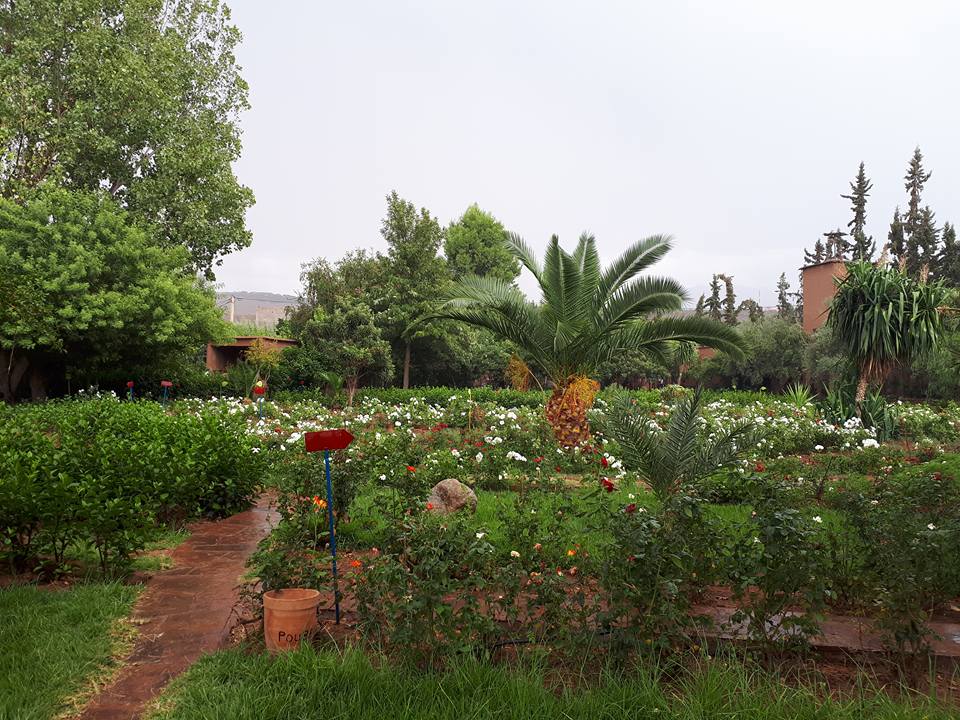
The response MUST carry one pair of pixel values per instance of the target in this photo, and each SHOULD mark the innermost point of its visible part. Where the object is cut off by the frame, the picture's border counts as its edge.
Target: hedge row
(105, 473)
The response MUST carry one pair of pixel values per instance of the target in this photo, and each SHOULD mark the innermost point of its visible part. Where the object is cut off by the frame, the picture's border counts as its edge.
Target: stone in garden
(449, 496)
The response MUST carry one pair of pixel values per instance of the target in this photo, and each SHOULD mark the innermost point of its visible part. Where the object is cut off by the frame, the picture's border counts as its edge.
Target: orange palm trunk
(567, 410)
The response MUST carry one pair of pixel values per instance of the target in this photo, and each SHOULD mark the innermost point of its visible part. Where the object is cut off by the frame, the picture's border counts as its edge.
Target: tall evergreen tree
(817, 255)
(915, 179)
(698, 311)
(713, 304)
(923, 243)
(948, 261)
(729, 301)
(837, 247)
(785, 309)
(863, 246)
(896, 240)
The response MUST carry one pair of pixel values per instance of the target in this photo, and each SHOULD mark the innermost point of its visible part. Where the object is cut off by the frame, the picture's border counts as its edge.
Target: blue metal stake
(260, 407)
(164, 403)
(333, 537)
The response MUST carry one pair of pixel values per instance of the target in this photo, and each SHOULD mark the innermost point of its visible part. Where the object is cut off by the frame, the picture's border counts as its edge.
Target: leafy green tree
(345, 340)
(885, 317)
(773, 352)
(476, 245)
(863, 246)
(753, 309)
(417, 275)
(586, 316)
(94, 296)
(713, 304)
(785, 309)
(140, 98)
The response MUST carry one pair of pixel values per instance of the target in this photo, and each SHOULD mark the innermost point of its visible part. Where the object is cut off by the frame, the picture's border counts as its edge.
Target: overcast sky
(733, 126)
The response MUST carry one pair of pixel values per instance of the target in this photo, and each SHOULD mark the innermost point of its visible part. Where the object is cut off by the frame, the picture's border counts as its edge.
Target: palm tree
(885, 318)
(585, 316)
(684, 452)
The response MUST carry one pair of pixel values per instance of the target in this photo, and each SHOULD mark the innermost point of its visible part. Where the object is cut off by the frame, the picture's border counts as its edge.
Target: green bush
(104, 473)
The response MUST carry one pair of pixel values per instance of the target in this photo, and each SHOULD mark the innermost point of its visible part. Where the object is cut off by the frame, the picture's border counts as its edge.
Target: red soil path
(185, 612)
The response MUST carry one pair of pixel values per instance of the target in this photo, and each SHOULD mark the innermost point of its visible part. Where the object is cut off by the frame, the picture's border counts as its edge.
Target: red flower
(604, 462)
(411, 468)
(278, 429)
(429, 506)
(937, 476)
(558, 469)
(759, 467)
(630, 509)
(538, 459)
(607, 484)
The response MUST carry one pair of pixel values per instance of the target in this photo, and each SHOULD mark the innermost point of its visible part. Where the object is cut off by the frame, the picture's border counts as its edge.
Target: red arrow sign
(327, 440)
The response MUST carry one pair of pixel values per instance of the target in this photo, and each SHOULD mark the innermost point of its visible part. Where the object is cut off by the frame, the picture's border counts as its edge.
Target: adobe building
(819, 283)
(221, 356)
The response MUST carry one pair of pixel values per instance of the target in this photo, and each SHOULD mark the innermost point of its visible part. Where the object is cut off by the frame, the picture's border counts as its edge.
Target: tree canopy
(92, 293)
(136, 97)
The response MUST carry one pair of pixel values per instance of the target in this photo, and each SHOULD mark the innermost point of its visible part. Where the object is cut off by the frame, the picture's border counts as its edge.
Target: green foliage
(104, 473)
(112, 301)
(476, 245)
(773, 351)
(586, 316)
(883, 317)
(679, 456)
(140, 98)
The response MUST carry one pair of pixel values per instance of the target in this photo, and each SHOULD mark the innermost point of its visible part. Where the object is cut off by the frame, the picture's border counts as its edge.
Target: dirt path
(185, 612)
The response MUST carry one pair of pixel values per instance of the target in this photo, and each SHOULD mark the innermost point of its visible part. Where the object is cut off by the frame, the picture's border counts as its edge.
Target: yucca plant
(586, 315)
(683, 453)
(885, 318)
(798, 395)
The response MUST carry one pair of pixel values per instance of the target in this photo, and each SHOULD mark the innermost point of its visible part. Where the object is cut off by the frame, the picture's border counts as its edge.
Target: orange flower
(356, 564)
(571, 552)
(429, 506)
(320, 503)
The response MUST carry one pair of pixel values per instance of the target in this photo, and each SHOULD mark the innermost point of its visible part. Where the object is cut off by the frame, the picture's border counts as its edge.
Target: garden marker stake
(165, 393)
(328, 440)
(130, 390)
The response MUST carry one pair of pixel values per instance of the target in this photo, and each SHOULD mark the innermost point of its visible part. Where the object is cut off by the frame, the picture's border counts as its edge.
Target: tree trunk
(567, 410)
(351, 390)
(406, 366)
(13, 365)
(862, 384)
(38, 384)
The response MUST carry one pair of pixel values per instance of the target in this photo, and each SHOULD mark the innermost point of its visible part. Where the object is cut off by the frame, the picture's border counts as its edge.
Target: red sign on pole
(327, 440)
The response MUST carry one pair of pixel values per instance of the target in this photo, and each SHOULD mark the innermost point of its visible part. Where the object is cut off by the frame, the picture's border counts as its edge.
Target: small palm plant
(682, 454)
(587, 315)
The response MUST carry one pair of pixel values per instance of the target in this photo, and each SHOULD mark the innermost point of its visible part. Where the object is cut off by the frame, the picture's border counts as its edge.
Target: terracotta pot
(289, 616)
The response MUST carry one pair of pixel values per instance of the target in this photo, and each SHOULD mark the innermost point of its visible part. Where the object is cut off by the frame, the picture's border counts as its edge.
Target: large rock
(449, 496)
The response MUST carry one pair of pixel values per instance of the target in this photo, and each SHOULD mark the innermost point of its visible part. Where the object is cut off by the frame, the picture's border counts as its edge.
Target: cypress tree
(729, 302)
(836, 246)
(785, 309)
(915, 179)
(948, 261)
(923, 243)
(895, 238)
(817, 256)
(698, 311)
(712, 304)
(863, 246)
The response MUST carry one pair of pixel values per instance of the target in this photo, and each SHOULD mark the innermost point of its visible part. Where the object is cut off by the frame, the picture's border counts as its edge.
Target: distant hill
(262, 309)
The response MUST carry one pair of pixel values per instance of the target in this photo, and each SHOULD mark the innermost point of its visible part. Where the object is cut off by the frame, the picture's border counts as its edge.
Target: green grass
(52, 642)
(234, 686)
